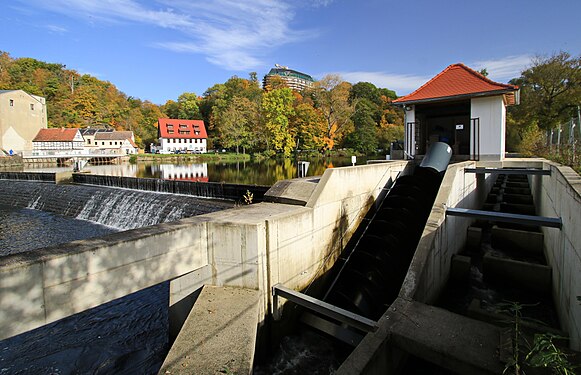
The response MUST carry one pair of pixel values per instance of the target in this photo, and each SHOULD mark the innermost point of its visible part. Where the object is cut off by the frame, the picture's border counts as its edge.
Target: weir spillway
(119, 208)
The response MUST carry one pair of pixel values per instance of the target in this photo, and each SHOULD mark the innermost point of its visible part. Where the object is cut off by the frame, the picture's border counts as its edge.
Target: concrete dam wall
(118, 208)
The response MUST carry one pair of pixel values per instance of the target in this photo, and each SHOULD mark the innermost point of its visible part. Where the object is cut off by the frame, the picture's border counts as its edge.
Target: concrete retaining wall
(443, 237)
(264, 244)
(559, 195)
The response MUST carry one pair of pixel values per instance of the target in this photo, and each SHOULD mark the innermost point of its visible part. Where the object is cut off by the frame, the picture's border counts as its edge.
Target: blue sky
(157, 49)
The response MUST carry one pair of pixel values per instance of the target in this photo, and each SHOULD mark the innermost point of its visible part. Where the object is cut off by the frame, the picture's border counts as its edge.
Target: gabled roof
(458, 80)
(56, 135)
(113, 136)
(175, 128)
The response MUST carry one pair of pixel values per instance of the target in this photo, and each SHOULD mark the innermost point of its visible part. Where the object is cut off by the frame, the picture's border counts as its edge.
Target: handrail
(324, 308)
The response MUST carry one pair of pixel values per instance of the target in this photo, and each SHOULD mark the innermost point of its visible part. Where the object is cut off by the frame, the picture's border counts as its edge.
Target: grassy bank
(189, 158)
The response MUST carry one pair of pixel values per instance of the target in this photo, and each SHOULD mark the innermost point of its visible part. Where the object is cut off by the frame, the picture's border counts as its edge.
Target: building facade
(462, 108)
(177, 135)
(115, 142)
(22, 116)
(58, 140)
(293, 79)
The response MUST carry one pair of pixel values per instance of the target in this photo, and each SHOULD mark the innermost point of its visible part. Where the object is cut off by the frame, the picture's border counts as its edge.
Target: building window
(88, 141)
(32, 106)
(102, 143)
(12, 102)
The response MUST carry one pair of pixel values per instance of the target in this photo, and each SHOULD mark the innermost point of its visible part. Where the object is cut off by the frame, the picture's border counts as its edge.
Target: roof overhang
(510, 97)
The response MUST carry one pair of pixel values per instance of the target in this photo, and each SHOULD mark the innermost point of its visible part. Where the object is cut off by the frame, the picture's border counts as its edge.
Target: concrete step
(219, 335)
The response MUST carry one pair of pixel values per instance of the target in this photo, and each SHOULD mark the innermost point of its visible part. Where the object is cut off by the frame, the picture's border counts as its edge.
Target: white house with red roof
(461, 107)
(181, 136)
(58, 140)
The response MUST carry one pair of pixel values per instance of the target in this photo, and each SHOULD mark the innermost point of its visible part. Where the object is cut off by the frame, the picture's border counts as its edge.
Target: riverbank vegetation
(239, 115)
(547, 121)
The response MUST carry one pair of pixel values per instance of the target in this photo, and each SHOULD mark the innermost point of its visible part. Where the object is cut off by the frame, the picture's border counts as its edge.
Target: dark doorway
(447, 122)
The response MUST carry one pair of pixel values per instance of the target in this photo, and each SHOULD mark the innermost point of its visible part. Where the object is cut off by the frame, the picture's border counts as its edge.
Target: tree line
(332, 114)
(238, 113)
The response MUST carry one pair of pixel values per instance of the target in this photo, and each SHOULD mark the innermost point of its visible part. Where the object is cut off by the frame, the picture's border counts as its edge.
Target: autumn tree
(331, 97)
(277, 107)
(307, 127)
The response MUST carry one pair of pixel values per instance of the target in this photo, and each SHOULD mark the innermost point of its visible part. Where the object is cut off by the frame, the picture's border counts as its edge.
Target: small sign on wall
(459, 126)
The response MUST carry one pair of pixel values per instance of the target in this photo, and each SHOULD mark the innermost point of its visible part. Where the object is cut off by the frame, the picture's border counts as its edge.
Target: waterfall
(118, 208)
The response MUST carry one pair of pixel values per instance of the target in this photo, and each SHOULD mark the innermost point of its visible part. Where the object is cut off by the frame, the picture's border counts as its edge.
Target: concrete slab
(296, 191)
(455, 342)
(219, 335)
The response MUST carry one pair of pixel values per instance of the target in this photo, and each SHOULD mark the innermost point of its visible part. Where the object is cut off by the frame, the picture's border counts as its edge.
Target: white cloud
(504, 69)
(402, 84)
(230, 33)
(56, 29)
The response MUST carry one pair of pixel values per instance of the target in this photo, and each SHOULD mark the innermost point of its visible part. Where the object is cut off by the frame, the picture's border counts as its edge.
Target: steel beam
(553, 222)
(360, 322)
(529, 171)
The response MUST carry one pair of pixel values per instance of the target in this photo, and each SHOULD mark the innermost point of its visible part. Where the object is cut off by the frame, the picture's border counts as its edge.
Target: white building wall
(492, 114)
(168, 145)
(410, 132)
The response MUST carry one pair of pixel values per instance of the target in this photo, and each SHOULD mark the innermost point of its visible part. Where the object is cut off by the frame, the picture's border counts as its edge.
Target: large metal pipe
(437, 157)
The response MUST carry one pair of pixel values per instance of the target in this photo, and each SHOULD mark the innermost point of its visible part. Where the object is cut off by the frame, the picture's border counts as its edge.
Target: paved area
(219, 335)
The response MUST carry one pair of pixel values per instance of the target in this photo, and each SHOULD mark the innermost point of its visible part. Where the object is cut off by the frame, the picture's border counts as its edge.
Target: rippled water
(127, 336)
(24, 229)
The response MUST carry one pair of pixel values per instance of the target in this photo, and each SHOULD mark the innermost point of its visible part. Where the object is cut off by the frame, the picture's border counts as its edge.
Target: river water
(265, 172)
(128, 335)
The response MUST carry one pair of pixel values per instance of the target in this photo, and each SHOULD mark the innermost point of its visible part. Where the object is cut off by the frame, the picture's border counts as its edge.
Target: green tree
(186, 108)
(550, 90)
(235, 128)
(364, 137)
(277, 107)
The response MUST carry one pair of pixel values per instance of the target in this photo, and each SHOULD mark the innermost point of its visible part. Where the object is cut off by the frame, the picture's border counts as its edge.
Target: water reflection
(265, 172)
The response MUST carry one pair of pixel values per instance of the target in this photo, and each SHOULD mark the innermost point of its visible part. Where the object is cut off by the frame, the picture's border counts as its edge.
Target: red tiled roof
(458, 80)
(174, 128)
(56, 135)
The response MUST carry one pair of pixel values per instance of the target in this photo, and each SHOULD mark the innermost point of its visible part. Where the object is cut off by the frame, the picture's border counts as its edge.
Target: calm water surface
(266, 172)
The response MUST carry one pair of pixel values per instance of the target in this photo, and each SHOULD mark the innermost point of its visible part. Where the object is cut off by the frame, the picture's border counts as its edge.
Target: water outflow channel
(368, 279)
